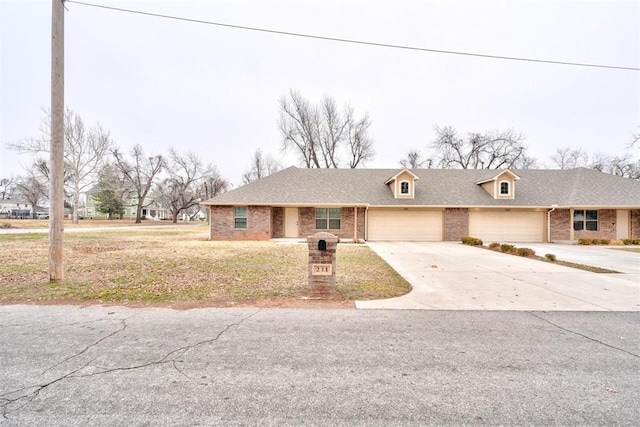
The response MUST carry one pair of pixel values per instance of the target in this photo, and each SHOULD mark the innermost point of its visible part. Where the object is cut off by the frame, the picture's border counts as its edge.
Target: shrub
(601, 241)
(507, 248)
(494, 245)
(526, 252)
(627, 241)
(616, 242)
(550, 257)
(636, 241)
(585, 241)
(5, 225)
(473, 241)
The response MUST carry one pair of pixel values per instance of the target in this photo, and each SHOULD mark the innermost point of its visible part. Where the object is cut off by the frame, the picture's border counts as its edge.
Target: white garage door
(507, 226)
(410, 225)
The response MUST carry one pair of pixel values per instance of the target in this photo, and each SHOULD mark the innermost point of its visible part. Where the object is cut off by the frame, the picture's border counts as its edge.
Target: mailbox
(322, 265)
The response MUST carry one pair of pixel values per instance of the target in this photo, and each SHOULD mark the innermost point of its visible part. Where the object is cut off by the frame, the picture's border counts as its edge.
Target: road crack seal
(583, 335)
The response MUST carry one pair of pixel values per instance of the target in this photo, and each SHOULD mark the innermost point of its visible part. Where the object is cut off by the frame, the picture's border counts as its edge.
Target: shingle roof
(436, 187)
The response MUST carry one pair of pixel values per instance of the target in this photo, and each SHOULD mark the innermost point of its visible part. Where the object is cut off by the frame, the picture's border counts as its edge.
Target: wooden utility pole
(56, 185)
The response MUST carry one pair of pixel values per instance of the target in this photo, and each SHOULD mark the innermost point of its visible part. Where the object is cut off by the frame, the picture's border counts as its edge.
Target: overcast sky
(214, 91)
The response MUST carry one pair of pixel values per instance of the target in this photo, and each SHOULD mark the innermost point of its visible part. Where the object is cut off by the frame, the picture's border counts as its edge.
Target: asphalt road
(122, 366)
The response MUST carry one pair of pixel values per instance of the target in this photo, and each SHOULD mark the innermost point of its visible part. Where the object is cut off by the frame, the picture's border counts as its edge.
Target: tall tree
(111, 192)
(140, 172)
(261, 165)
(179, 190)
(496, 150)
(85, 150)
(322, 135)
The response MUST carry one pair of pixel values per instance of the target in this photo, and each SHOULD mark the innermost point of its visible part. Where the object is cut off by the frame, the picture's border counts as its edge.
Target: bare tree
(211, 186)
(414, 160)
(33, 189)
(140, 173)
(496, 150)
(360, 143)
(570, 158)
(179, 191)
(261, 165)
(320, 135)
(7, 187)
(84, 153)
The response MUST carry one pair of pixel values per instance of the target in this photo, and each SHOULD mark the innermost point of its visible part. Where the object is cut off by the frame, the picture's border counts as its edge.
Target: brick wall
(258, 224)
(635, 224)
(277, 222)
(307, 223)
(561, 224)
(456, 223)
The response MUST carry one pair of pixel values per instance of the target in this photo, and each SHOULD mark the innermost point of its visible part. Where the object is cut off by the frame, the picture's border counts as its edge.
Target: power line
(359, 42)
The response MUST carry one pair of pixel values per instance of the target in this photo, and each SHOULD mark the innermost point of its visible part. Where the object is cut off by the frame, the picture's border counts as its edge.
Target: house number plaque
(321, 269)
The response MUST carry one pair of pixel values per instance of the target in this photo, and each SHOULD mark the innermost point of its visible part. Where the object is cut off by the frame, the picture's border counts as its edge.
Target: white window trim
(508, 193)
(246, 218)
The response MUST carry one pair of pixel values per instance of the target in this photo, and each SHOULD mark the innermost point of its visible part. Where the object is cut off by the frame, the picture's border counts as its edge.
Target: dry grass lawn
(181, 268)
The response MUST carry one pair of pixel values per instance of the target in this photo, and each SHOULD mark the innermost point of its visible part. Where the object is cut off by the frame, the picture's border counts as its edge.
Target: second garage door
(407, 225)
(507, 226)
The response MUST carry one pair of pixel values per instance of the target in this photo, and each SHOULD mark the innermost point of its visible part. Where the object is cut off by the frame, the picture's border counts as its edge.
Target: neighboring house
(151, 209)
(15, 208)
(430, 205)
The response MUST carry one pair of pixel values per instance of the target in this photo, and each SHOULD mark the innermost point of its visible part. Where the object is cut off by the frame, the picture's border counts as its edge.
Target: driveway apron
(452, 276)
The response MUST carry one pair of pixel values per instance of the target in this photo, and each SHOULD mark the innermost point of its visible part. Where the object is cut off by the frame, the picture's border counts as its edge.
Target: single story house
(430, 205)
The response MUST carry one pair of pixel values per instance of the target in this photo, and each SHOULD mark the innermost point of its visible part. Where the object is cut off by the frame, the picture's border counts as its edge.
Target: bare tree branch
(322, 135)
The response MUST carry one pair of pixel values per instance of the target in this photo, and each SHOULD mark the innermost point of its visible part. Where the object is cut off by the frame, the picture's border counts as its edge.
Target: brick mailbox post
(322, 264)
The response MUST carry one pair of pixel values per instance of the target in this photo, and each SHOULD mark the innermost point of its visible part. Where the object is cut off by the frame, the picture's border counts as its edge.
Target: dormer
(403, 185)
(502, 185)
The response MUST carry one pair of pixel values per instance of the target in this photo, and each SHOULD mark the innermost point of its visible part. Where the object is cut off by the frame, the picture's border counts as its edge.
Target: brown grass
(181, 268)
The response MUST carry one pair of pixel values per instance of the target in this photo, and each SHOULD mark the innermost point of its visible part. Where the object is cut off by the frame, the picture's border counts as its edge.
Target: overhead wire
(352, 41)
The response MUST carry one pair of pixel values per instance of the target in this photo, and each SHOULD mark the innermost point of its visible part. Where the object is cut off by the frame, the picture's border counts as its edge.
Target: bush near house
(525, 252)
(507, 248)
(473, 241)
(550, 257)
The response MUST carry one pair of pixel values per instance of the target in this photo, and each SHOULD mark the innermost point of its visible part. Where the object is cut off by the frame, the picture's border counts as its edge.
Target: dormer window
(504, 188)
(404, 187)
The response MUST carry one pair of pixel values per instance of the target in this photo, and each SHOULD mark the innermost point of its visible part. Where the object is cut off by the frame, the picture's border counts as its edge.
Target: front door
(291, 222)
(622, 224)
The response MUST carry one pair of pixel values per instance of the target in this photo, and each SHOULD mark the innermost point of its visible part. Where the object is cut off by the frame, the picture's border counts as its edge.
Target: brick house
(430, 205)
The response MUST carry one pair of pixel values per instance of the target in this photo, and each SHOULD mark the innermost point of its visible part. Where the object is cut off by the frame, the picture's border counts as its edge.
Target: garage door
(410, 225)
(507, 226)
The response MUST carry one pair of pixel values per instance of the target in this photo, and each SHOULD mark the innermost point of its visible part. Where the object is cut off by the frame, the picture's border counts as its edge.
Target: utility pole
(56, 186)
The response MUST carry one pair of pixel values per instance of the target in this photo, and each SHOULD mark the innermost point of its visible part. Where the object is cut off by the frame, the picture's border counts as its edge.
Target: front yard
(182, 268)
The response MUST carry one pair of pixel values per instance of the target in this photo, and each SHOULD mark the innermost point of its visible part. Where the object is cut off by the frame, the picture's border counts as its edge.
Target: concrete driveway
(452, 276)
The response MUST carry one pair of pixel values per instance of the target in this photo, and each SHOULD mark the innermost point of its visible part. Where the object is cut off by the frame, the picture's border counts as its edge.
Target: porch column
(355, 224)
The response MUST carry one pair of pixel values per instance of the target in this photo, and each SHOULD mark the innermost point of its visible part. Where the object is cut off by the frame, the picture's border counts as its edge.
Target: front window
(404, 187)
(504, 188)
(328, 218)
(240, 217)
(585, 220)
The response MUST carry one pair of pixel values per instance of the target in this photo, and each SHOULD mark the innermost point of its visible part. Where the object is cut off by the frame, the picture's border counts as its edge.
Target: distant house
(151, 209)
(15, 208)
(430, 205)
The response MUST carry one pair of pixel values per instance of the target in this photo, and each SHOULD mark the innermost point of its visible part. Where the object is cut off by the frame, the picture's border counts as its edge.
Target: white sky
(214, 91)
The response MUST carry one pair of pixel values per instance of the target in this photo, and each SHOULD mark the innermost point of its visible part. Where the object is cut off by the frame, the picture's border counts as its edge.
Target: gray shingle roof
(436, 187)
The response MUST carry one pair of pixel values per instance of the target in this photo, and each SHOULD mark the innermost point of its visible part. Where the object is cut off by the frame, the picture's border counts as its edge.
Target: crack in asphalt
(167, 358)
(6, 402)
(123, 322)
(583, 335)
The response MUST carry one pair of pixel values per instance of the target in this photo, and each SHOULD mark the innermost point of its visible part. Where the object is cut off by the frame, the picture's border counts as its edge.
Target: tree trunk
(139, 212)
